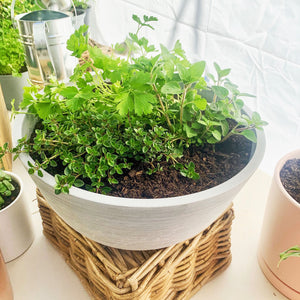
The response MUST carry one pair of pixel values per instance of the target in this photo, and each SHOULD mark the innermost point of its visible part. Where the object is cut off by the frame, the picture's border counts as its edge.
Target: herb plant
(81, 4)
(147, 108)
(293, 251)
(6, 187)
(12, 57)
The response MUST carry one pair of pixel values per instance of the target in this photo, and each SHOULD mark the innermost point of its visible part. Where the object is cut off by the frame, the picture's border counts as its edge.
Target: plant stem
(163, 107)
(182, 102)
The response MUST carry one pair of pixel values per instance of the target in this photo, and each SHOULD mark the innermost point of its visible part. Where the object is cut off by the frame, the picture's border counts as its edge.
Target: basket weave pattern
(176, 272)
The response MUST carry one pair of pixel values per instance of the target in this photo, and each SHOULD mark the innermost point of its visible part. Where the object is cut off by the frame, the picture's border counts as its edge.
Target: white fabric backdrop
(259, 40)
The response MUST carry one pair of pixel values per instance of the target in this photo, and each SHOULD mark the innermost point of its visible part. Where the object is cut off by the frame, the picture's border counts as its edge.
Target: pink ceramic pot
(6, 292)
(280, 231)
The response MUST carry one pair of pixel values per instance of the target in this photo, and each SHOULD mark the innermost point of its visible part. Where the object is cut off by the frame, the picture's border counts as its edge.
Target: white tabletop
(42, 274)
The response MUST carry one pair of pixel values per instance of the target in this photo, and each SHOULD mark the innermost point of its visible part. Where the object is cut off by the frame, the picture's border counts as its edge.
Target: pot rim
(16, 178)
(217, 191)
(279, 166)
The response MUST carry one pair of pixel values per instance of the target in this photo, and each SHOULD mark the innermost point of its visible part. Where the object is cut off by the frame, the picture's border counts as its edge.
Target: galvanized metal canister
(44, 34)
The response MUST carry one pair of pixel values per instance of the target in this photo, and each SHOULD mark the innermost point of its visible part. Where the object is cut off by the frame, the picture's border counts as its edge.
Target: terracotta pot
(16, 231)
(6, 292)
(139, 224)
(280, 231)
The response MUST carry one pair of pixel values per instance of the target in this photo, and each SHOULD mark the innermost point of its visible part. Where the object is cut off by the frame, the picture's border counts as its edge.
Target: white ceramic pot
(16, 232)
(12, 88)
(280, 231)
(139, 224)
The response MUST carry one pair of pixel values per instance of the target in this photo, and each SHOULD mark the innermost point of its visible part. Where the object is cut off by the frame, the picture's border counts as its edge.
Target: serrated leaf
(125, 103)
(43, 109)
(171, 87)
(143, 103)
(69, 92)
(140, 79)
(75, 103)
(178, 49)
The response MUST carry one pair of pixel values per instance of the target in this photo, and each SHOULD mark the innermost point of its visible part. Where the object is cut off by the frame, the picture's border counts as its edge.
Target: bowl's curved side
(139, 224)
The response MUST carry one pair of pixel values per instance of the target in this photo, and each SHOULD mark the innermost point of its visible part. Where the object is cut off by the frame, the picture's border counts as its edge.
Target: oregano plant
(148, 106)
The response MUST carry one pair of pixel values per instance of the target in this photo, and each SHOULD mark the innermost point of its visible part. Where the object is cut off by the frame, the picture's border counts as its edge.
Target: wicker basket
(176, 272)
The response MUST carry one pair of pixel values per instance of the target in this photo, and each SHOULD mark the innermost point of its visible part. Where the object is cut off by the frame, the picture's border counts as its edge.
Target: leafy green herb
(149, 107)
(12, 57)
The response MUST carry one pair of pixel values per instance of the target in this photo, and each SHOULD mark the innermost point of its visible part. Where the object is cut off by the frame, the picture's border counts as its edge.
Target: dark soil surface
(8, 200)
(290, 178)
(214, 167)
(214, 164)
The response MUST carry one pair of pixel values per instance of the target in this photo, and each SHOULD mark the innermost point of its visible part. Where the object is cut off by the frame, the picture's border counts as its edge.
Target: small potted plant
(281, 226)
(128, 145)
(13, 71)
(16, 233)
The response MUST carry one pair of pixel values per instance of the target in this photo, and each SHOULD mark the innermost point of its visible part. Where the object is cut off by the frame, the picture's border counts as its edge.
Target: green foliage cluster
(6, 187)
(12, 57)
(149, 107)
(81, 4)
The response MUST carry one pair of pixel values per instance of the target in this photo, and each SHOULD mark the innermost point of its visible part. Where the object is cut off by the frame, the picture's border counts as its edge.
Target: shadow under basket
(176, 272)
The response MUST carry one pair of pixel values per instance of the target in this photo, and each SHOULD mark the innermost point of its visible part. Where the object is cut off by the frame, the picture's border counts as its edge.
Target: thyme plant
(147, 108)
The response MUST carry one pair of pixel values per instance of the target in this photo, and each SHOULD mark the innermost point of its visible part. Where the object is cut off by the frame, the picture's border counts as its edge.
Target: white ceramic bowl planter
(16, 232)
(280, 231)
(139, 224)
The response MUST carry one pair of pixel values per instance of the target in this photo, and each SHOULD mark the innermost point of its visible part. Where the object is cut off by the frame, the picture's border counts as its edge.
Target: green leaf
(220, 91)
(189, 131)
(250, 135)
(217, 135)
(140, 80)
(43, 109)
(201, 103)
(196, 70)
(69, 92)
(224, 72)
(171, 87)
(78, 41)
(184, 73)
(143, 103)
(178, 49)
(125, 103)
(78, 183)
(75, 103)
(136, 19)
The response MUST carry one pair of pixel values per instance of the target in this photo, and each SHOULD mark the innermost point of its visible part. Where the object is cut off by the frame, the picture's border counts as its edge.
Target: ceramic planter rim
(218, 190)
(279, 166)
(16, 178)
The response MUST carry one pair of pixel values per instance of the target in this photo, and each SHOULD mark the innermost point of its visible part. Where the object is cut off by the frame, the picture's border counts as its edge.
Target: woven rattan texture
(176, 272)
